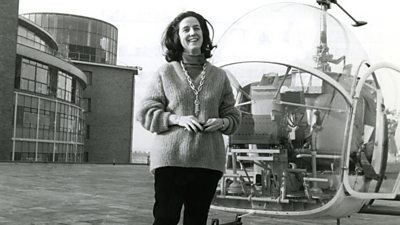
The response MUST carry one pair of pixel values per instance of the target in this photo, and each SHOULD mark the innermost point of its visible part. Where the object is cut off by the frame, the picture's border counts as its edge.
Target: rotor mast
(323, 57)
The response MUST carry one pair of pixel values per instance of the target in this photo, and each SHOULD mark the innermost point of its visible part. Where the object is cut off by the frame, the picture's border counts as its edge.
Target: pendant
(196, 107)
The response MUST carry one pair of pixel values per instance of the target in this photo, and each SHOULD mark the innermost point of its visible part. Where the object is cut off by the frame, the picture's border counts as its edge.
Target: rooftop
(102, 194)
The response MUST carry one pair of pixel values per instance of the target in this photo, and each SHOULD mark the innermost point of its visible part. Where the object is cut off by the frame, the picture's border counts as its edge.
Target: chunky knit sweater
(170, 94)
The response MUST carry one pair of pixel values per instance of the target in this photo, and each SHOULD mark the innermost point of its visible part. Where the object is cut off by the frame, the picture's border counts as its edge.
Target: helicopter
(318, 131)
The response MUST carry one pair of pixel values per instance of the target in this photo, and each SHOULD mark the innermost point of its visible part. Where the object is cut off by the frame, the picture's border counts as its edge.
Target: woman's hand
(190, 123)
(213, 124)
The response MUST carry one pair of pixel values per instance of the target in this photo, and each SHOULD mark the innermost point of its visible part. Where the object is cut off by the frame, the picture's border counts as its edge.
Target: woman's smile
(191, 35)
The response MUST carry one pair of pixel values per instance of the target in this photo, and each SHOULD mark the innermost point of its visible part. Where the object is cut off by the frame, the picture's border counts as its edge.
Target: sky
(141, 23)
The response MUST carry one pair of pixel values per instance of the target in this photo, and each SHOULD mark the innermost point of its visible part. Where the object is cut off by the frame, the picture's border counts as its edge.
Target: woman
(189, 106)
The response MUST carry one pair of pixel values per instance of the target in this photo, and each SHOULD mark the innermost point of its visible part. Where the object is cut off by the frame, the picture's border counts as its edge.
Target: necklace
(196, 91)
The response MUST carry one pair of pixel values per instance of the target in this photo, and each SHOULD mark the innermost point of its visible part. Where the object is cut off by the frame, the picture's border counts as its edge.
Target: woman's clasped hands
(192, 124)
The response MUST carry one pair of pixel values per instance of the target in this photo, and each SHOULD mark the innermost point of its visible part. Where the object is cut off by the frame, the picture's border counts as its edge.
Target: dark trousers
(176, 186)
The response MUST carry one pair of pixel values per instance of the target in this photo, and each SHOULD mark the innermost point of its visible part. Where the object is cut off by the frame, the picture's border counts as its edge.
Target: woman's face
(191, 35)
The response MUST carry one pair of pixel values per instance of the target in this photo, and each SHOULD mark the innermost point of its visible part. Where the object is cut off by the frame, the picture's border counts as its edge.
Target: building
(67, 100)
(109, 103)
(80, 38)
(48, 121)
(8, 34)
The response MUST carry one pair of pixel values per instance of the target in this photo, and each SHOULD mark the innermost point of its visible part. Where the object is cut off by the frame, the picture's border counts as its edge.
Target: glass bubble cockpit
(292, 68)
(291, 33)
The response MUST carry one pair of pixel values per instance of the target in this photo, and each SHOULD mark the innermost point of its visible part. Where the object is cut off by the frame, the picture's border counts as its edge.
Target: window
(66, 123)
(78, 93)
(84, 57)
(29, 38)
(45, 20)
(22, 31)
(48, 129)
(86, 104)
(38, 19)
(35, 77)
(89, 77)
(87, 131)
(52, 20)
(82, 53)
(30, 117)
(64, 86)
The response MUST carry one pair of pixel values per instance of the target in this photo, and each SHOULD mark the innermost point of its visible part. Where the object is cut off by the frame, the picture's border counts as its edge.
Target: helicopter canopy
(289, 33)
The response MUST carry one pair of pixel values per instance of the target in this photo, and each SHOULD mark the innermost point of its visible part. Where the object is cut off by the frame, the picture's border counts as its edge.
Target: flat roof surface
(90, 194)
(131, 68)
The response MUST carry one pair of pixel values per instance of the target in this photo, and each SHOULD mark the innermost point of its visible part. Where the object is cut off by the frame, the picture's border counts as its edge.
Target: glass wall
(29, 38)
(47, 130)
(48, 117)
(80, 38)
(64, 86)
(34, 77)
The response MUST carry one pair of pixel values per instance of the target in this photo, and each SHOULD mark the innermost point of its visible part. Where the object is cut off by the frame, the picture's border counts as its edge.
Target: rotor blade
(357, 23)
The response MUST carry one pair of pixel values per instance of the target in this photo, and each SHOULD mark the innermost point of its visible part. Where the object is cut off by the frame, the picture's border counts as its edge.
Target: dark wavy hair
(170, 41)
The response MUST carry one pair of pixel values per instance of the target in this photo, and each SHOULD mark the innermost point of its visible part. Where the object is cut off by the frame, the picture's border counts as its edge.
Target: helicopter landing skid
(238, 221)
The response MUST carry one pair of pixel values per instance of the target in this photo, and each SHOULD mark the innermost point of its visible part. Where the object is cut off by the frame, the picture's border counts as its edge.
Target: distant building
(63, 98)
(80, 38)
(108, 102)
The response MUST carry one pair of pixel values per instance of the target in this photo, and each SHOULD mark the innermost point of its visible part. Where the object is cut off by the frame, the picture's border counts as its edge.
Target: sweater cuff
(164, 123)
(225, 124)
(230, 127)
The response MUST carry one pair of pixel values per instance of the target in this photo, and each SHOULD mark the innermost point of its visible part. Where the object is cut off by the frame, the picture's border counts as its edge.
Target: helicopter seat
(257, 129)
(255, 147)
(255, 139)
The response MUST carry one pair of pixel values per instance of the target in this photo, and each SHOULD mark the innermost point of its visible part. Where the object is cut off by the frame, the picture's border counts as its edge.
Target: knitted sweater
(171, 94)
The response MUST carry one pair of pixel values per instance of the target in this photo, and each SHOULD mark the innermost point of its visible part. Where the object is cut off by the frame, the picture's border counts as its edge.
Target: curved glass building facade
(48, 115)
(63, 98)
(80, 38)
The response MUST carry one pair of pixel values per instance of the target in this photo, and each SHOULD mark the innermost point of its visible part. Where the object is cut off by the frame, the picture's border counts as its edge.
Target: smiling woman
(189, 107)
(191, 35)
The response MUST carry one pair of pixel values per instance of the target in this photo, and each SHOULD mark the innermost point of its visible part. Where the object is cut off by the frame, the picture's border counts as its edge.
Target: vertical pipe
(37, 130)
(55, 131)
(66, 153)
(15, 126)
(314, 166)
(323, 37)
(315, 190)
(234, 164)
(283, 186)
(76, 131)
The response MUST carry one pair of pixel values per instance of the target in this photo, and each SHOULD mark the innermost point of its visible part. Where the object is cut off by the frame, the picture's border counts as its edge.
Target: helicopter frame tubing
(356, 96)
(330, 209)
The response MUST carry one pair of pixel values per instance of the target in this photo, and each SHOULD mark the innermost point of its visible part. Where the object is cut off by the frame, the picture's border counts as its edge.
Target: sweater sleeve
(151, 113)
(228, 110)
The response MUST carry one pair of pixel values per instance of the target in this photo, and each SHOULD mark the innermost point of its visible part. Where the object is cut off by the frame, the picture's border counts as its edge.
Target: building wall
(8, 35)
(110, 114)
